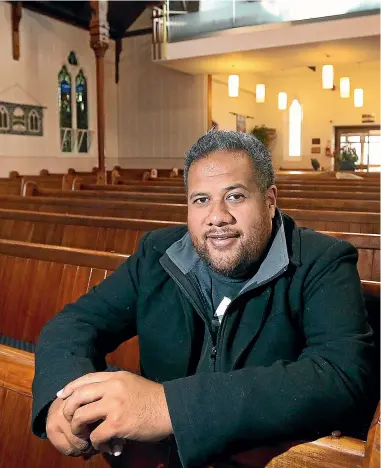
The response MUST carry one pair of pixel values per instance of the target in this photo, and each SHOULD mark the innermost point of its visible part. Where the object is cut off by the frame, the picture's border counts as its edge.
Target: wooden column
(16, 17)
(99, 42)
(209, 104)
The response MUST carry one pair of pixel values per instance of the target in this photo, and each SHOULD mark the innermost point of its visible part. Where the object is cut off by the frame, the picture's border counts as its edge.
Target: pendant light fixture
(345, 87)
(358, 95)
(260, 93)
(282, 101)
(327, 76)
(233, 85)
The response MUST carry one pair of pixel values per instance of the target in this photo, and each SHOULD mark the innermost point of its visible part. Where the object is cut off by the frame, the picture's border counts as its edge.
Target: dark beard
(248, 259)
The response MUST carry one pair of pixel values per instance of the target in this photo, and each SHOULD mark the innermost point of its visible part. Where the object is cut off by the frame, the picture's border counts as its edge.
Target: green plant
(264, 134)
(315, 164)
(346, 154)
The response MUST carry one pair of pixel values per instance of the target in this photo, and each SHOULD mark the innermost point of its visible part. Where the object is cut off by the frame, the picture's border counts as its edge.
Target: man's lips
(222, 241)
(226, 235)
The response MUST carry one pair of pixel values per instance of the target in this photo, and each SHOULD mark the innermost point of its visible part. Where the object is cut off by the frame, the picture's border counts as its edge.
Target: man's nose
(219, 215)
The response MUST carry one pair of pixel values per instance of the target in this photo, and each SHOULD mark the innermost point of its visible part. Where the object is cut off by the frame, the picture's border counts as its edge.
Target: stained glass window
(65, 109)
(82, 112)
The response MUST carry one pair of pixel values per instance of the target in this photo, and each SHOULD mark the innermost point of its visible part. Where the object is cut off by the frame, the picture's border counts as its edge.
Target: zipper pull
(213, 357)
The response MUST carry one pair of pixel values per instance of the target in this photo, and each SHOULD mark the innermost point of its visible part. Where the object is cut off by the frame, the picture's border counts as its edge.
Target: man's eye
(235, 197)
(201, 200)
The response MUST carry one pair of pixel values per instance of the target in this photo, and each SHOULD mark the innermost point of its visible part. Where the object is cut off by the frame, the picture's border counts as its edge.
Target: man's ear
(271, 195)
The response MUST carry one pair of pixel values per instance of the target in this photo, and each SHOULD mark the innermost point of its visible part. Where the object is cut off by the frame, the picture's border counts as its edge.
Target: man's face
(229, 219)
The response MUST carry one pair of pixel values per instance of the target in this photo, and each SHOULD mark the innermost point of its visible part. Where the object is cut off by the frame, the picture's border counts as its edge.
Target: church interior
(100, 100)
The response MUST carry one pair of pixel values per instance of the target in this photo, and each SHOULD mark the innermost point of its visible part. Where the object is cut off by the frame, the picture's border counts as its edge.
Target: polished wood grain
(316, 187)
(11, 186)
(16, 369)
(37, 281)
(372, 449)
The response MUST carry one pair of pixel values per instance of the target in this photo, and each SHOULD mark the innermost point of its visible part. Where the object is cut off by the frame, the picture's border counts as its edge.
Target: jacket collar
(285, 248)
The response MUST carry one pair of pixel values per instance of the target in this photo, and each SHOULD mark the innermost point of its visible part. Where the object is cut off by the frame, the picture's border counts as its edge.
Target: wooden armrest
(372, 448)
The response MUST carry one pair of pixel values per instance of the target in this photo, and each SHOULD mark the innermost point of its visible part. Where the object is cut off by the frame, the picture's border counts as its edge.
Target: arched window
(4, 118)
(82, 111)
(33, 121)
(65, 109)
(295, 129)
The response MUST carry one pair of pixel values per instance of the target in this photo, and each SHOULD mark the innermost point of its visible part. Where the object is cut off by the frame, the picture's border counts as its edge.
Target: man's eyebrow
(235, 186)
(197, 194)
(225, 189)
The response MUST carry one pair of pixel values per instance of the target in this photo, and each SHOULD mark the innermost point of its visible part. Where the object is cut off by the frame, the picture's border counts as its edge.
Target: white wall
(161, 111)
(223, 105)
(322, 109)
(44, 46)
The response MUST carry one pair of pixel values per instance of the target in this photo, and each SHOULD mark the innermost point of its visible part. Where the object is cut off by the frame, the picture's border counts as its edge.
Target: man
(250, 328)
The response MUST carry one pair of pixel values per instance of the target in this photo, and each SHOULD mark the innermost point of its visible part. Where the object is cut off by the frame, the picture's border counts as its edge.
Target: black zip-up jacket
(293, 356)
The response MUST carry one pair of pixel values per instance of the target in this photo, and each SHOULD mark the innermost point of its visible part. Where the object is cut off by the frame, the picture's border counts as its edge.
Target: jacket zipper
(215, 342)
(223, 321)
(213, 354)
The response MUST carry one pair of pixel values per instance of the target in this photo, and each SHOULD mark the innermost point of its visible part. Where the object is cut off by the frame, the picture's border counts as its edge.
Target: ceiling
(121, 14)
(284, 59)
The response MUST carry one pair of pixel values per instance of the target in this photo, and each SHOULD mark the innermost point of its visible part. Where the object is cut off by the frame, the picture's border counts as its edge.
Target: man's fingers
(84, 380)
(82, 396)
(102, 434)
(71, 446)
(86, 415)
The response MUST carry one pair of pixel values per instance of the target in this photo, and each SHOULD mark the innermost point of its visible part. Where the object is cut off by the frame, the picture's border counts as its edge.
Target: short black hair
(230, 141)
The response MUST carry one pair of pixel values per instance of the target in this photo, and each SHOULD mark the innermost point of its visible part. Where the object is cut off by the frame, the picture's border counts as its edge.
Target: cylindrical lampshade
(260, 93)
(233, 85)
(345, 87)
(327, 76)
(282, 101)
(359, 97)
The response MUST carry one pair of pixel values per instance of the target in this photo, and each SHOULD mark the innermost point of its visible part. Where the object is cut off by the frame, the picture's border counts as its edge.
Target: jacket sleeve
(220, 414)
(75, 341)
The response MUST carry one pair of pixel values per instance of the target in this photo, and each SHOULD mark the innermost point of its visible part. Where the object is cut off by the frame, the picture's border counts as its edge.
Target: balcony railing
(217, 15)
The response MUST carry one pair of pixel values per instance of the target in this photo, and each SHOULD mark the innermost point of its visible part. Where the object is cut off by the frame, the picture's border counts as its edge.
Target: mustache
(221, 233)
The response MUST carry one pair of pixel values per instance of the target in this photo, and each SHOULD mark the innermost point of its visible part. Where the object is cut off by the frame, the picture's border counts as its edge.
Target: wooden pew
(136, 187)
(316, 187)
(18, 446)
(88, 206)
(10, 186)
(342, 185)
(322, 220)
(138, 174)
(172, 182)
(328, 181)
(122, 234)
(282, 191)
(107, 234)
(37, 281)
(338, 221)
(284, 202)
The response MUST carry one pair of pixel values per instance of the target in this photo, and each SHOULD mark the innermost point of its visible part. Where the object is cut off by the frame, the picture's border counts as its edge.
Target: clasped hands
(101, 410)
